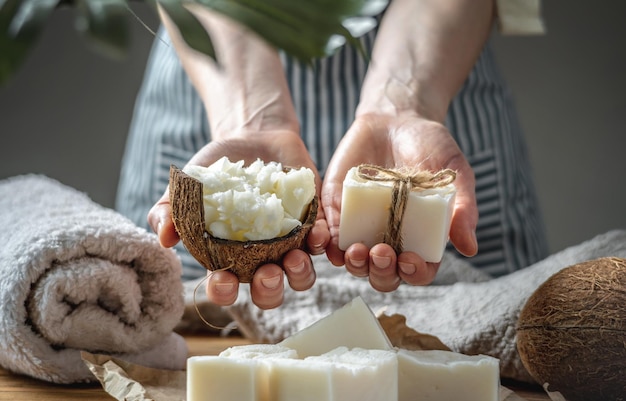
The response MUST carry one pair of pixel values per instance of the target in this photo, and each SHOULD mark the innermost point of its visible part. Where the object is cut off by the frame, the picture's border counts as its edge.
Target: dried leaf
(402, 336)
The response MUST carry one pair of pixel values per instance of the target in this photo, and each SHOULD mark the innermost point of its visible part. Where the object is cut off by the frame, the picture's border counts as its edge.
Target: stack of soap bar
(447, 376)
(365, 211)
(343, 357)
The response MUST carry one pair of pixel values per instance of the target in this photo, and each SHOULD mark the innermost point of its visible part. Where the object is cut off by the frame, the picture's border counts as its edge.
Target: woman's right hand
(266, 288)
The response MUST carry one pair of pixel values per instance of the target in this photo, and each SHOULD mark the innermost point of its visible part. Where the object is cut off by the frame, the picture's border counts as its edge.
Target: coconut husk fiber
(572, 331)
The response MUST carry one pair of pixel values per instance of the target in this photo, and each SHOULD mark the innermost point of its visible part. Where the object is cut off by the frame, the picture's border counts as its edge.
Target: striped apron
(170, 124)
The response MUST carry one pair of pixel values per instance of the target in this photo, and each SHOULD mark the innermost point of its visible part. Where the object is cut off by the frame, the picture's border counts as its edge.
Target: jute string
(403, 184)
(195, 305)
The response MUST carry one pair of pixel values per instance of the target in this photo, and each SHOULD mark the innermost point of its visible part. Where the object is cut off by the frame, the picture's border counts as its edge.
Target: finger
(414, 270)
(357, 260)
(160, 220)
(299, 270)
(267, 287)
(222, 287)
(318, 237)
(383, 275)
(331, 203)
(465, 217)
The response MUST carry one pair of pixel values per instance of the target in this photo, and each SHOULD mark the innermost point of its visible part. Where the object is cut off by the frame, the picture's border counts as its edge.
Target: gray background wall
(67, 112)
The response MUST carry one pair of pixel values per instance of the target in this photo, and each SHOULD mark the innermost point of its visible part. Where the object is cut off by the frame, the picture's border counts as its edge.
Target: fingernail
(381, 261)
(297, 268)
(224, 288)
(407, 268)
(357, 263)
(158, 227)
(271, 282)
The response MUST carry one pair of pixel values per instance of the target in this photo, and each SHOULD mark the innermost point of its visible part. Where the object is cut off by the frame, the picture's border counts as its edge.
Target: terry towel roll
(77, 276)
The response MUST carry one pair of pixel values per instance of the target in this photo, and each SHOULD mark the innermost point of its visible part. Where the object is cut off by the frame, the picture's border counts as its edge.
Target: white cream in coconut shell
(257, 202)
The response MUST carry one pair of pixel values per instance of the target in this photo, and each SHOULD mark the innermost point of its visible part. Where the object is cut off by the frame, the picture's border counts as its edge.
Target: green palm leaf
(304, 29)
(105, 25)
(21, 24)
(190, 28)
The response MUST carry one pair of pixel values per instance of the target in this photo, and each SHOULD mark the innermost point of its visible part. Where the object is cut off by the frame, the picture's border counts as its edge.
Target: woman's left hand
(405, 140)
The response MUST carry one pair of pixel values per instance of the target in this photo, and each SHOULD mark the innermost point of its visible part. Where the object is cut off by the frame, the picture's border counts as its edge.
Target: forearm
(423, 53)
(247, 92)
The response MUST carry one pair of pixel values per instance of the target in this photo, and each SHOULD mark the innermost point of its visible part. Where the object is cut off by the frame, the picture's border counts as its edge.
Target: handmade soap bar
(362, 374)
(297, 379)
(447, 376)
(425, 223)
(238, 373)
(353, 326)
(213, 378)
(341, 375)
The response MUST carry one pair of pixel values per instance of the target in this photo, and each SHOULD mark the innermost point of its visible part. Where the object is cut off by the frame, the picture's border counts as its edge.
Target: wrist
(231, 126)
(395, 96)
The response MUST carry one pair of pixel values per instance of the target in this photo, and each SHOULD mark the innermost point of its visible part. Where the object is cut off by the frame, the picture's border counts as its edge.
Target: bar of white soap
(365, 211)
(237, 373)
(447, 376)
(341, 375)
(214, 378)
(353, 326)
(363, 374)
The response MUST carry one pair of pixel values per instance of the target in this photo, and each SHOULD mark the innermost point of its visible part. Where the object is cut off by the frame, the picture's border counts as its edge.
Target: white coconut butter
(257, 202)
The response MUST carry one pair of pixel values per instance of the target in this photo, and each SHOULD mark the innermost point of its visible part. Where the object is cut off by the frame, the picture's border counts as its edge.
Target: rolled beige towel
(78, 276)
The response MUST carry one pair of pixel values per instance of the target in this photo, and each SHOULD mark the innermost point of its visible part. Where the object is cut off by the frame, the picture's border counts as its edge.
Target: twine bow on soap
(403, 184)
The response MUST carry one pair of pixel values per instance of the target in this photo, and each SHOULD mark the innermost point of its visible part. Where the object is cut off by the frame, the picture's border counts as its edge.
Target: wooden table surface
(15, 387)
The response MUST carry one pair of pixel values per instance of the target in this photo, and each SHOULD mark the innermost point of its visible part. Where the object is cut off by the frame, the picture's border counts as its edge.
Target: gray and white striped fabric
(170, 125)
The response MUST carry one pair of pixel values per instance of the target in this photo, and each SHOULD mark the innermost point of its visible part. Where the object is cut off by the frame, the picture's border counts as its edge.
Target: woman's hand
(423, 53)
(404, 140)
(267, 285)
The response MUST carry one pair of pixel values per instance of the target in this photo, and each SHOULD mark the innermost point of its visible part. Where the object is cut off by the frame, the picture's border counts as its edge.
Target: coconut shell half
(571, 333)
(239, 257)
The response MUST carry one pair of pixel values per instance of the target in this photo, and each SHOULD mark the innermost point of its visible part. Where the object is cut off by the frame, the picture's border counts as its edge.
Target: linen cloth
(77, 276)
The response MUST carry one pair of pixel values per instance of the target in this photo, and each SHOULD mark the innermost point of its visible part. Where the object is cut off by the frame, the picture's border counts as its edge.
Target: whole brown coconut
(571, 333)
(239, 257)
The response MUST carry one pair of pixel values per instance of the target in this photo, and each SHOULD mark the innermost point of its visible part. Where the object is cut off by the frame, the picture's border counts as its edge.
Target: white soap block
(447, 376)
(238, 373)
(361, 374)
(297, 379)
(343, 375)
(213, 378)
(353, 326)
(365, 210)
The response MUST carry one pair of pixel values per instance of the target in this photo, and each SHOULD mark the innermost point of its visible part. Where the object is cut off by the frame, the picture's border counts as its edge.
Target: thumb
(160, 219)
